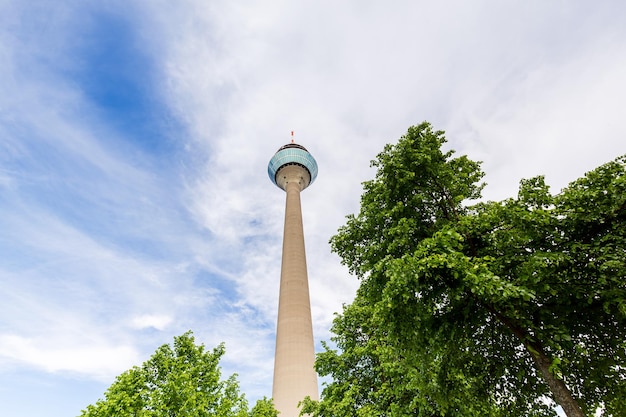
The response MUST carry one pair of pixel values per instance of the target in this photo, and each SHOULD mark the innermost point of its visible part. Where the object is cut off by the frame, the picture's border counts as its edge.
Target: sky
(135, 136)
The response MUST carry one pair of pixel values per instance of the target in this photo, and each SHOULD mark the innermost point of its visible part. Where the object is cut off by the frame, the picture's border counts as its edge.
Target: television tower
(293, 169)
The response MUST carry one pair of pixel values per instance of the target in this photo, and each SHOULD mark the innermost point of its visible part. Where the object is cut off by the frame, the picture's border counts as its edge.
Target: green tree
(264, 408)
(487, 309)
(179, 380)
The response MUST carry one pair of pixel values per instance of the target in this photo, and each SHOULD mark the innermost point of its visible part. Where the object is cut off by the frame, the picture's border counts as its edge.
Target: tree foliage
(179, 380)
(483, 310)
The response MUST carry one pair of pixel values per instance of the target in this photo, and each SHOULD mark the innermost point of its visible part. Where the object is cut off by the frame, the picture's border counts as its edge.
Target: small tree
(479, 310)
(179, 380)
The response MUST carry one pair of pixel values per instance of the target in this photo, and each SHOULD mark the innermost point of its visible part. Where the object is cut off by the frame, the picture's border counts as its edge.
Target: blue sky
(134, 139)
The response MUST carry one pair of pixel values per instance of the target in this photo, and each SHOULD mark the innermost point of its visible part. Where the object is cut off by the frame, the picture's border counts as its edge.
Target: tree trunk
(562, 395)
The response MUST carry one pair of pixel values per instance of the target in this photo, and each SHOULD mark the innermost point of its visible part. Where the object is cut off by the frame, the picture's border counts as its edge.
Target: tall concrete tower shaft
(293, 169)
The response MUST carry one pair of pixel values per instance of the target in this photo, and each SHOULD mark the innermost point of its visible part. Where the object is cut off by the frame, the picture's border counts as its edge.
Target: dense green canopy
(179, 380)
(495, 309)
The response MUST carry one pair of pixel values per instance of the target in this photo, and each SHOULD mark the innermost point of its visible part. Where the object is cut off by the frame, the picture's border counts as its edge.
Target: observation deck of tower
(293, 169)
(292, 154)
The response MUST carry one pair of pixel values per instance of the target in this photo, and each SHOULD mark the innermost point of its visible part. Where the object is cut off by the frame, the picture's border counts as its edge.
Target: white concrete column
(294, 373)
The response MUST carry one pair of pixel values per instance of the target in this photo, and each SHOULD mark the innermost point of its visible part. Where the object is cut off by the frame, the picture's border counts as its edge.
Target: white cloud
(156, 321)
(98, 358)
(559, 120)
